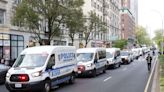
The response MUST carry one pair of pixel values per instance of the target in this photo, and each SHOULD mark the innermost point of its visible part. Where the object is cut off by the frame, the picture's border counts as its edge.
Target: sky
(151, 14)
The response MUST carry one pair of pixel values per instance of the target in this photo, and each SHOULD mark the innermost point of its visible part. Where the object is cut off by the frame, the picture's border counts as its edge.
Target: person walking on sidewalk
(149, 59)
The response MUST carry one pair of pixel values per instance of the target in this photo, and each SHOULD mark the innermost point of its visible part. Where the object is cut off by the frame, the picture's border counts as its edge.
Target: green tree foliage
(44, 16)
(142, 36)
(75, 20)
(158, 37)
(93, 25)
(120, 43)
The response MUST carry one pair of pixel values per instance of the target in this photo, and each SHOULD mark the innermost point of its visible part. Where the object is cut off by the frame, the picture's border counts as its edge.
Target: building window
(17, 1)
(17, 45)
(2, 16)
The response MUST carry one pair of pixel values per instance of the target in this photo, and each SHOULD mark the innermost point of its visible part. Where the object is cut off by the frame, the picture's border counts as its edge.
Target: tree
(142, 36)
(43, 16)
(93, 25)
(158, 37)
(74, 20)
(120, 43)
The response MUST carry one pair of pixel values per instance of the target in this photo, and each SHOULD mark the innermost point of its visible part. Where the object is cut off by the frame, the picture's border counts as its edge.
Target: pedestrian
(149, 59)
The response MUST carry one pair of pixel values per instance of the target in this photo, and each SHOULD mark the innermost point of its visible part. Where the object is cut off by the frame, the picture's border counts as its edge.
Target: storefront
(10, 46)
(97, 44)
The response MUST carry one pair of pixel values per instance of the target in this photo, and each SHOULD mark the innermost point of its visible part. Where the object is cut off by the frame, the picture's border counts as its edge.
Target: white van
(113, 57)
(91, 61)
(42, 68)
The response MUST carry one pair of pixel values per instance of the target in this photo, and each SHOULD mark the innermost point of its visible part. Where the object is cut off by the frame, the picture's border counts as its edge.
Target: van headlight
(89, 65)
(8, 74)
(37, 74)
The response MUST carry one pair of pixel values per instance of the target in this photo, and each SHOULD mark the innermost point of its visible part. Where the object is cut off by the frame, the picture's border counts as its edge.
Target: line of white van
(44, 67)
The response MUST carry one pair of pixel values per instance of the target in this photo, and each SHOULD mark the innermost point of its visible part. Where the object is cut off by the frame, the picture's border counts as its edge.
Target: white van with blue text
(113, 57)
(42, 68)
(91, 61)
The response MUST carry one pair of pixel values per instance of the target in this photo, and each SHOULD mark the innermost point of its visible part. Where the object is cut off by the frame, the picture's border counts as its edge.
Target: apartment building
(12, 39)
(108, 12)
(134, 10)
(115, 32)
(127, 20)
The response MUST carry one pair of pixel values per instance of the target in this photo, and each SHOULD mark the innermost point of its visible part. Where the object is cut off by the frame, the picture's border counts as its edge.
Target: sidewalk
(156, 79)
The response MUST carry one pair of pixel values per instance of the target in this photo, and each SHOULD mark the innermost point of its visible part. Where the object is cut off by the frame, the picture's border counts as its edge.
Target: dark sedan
(3, 71)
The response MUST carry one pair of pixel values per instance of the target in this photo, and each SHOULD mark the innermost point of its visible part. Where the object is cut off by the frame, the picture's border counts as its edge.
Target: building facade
(134, 10)
(128, 21)
(12, 40)
(115, 31)
(108, 12)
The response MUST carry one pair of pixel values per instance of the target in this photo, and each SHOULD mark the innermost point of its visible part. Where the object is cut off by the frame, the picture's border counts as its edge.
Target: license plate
(18, 85)
(79, 72)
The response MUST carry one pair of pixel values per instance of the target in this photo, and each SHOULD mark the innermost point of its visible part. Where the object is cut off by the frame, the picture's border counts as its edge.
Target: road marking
(107, 79)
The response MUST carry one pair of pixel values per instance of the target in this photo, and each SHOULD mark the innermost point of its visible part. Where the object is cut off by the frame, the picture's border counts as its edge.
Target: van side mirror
(95, 60)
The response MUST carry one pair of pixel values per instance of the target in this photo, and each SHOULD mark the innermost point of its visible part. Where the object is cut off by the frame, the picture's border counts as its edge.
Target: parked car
(3, 71)
(126, 57)
(113, 57)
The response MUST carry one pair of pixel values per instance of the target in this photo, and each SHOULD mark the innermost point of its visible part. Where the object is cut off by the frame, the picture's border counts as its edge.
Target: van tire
(120, 64)
(72, 79)
(94, 73)
(47, 86)
(104, 70)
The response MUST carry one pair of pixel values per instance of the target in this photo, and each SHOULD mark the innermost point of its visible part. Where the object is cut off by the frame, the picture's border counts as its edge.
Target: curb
(149, 85)
(156, 80)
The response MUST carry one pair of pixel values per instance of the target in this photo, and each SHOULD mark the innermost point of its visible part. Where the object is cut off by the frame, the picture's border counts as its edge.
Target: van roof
(112, 49)
(89, 50)
(44, 49)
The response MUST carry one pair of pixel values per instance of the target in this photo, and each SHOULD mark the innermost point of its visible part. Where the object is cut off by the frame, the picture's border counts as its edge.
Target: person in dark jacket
(149, 59)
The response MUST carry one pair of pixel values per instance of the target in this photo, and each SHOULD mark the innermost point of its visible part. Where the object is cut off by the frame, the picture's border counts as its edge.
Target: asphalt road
(127, 78)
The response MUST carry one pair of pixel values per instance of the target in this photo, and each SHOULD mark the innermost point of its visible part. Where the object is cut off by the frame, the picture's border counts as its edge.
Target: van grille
(18, 78)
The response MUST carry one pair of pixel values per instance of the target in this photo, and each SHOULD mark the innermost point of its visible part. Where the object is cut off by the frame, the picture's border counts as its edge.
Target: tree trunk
(41, 42)
(72, 42)
(86, 43)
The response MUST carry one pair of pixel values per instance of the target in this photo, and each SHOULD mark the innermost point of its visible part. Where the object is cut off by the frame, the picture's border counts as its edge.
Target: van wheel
(115, 66)
(94, 73)
(104, 70)
(47, 86)
(72, 79)
(119, 64)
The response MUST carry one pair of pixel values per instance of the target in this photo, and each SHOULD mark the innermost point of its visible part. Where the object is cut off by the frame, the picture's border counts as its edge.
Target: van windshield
(85, 57)
(30, 60)
(109, 55)
(124, 53)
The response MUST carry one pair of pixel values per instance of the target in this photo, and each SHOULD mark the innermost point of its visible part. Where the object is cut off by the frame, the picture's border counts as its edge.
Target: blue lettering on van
(55, 72)
(66, 56)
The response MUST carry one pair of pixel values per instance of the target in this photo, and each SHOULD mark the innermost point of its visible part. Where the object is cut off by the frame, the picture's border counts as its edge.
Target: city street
(128, 78)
